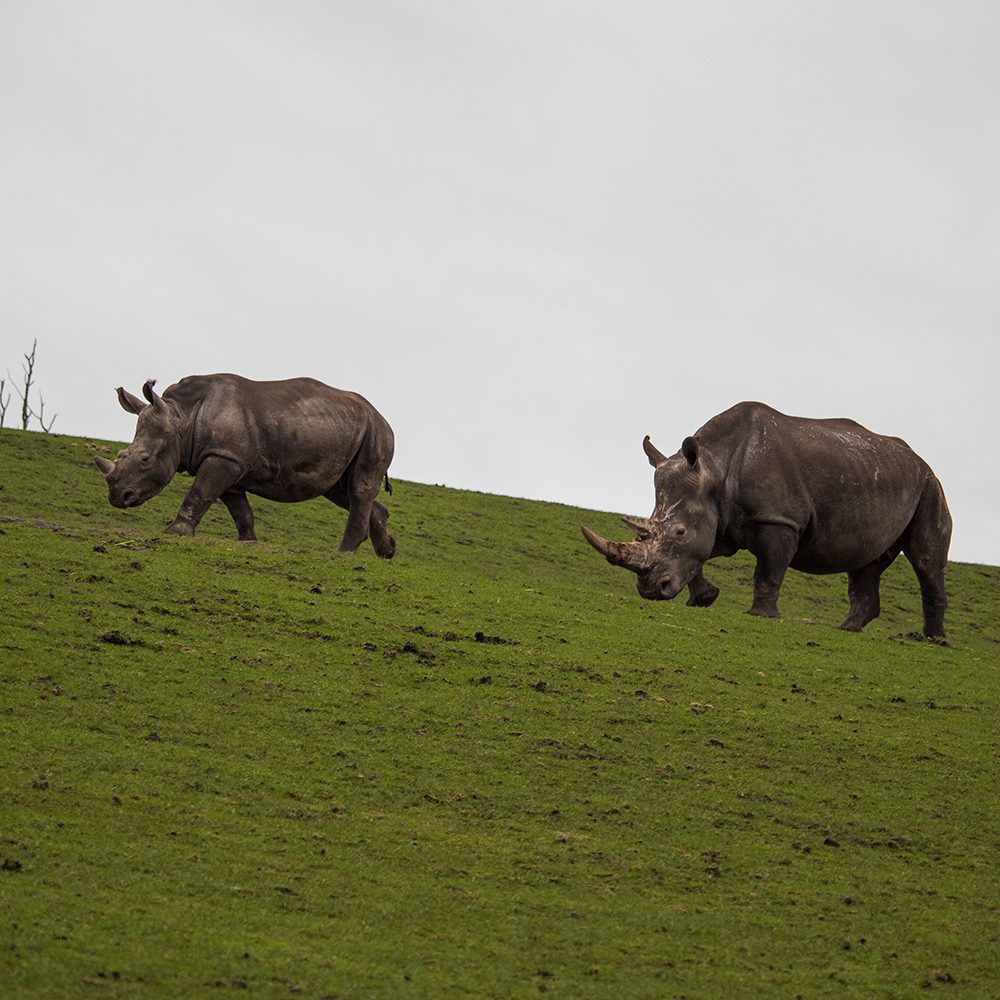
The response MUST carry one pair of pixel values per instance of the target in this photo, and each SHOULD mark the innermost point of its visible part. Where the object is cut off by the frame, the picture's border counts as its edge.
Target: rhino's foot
(387, 549)
(764, 612)
(849, 626)
(859, 616)
(856, 622)
(183, 528)
(704, 598)
(938, 638)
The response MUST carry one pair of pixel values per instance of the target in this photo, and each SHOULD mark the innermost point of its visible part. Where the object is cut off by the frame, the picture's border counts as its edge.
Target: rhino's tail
(388, 485)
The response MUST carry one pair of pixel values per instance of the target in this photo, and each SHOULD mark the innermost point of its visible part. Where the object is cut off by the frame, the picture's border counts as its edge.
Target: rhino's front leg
(774, 546)
(701, 592)
(214, 477)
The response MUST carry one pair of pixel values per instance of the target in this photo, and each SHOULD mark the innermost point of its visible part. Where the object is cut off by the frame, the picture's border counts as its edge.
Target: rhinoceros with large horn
(821, 496)
(290, 440)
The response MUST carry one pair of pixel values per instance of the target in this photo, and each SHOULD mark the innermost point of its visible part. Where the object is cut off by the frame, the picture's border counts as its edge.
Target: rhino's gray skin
(821, 496)
(289, 441)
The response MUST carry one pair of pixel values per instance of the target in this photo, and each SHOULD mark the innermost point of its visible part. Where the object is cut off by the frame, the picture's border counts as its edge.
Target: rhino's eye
(679, 530)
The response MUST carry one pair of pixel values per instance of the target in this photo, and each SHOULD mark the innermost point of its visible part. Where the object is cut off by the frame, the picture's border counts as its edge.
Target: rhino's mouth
(126, 499)
(663, 588)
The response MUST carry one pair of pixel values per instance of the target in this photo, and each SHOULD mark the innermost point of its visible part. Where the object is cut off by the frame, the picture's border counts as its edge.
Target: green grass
(484, 769)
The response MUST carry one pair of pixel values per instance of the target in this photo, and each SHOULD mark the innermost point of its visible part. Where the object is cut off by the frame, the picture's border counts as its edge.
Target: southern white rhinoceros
(821, 496)
(289, 441)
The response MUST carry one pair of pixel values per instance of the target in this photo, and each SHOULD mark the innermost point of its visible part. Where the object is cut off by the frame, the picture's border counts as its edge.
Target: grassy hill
(484, 769)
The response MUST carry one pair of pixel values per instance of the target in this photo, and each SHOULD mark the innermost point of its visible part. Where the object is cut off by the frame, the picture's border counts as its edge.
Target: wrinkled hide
(821, 496)
(287, 441)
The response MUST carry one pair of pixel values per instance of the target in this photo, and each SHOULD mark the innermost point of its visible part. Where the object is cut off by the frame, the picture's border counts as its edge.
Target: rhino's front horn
(616, 553)
(104, 465)
(601, 544)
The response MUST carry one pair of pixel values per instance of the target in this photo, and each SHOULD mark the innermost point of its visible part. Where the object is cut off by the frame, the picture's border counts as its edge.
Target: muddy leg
(339, 495)
(933, 597)
(358, 521)
(236, 503)
(383, 543)
(774, 546)
(215, 476)
(929, 567)
(927, 550)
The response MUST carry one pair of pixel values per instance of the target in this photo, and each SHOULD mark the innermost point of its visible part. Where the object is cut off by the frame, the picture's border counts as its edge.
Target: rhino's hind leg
(926, 547)
(361, 526)
(863, 592)
(932, 594)
(357, 529)
(383, 543)
(237, 505)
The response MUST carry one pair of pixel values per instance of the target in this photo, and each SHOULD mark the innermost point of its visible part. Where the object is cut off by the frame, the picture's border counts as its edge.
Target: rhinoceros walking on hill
(289, 441)
(821, 496)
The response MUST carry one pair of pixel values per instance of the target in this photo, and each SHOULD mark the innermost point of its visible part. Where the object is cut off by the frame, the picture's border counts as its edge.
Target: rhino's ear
(655, 456)
(130, 403)
(689, 449)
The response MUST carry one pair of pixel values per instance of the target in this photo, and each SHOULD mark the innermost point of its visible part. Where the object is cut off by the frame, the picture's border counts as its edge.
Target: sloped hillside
(483, 769)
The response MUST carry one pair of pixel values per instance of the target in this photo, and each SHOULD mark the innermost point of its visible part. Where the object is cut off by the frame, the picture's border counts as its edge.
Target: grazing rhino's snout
(662, 566)
(120, 494)
(123, 498)
(108, 470)
(658, 588)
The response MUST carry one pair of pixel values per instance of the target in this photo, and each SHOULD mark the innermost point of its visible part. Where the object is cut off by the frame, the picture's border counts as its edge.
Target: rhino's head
(671, 545)
(143, 468)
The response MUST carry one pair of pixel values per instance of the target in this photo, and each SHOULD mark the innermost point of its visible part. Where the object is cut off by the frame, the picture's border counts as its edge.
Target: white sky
(529, 232)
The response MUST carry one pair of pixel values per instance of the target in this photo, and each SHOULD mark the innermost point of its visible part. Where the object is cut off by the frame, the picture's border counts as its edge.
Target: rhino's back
(760, 437)
(268, 404)
(257, 396)
(848, 491)
(294, 436)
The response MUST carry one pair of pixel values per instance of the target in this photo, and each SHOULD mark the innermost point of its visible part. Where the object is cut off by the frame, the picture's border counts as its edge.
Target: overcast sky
(529, 232)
